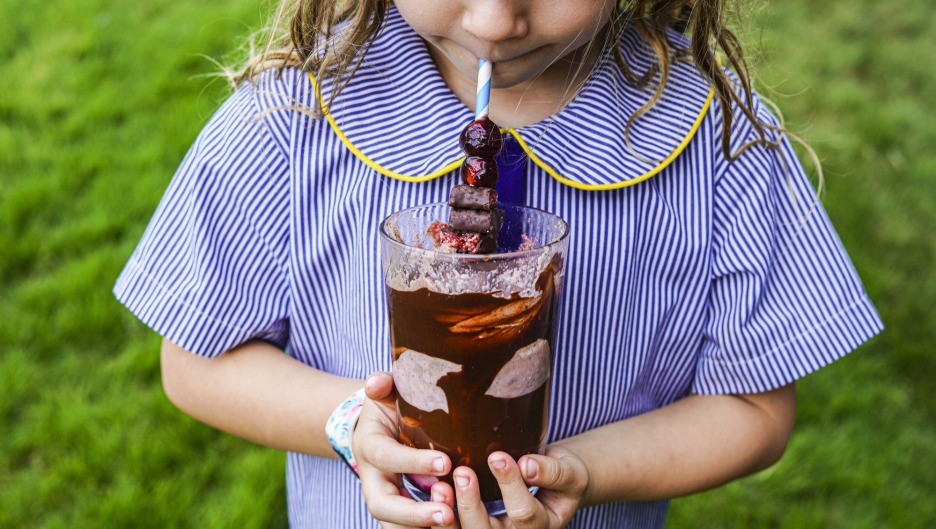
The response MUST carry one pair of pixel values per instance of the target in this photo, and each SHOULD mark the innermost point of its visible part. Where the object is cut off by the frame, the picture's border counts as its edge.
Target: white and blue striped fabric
(707, 277)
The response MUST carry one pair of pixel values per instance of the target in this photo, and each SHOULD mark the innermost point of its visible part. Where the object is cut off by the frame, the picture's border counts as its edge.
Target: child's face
(524, 38)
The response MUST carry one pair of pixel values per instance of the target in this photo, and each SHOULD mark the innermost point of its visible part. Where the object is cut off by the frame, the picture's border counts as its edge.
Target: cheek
(578, 21)
(432, 18)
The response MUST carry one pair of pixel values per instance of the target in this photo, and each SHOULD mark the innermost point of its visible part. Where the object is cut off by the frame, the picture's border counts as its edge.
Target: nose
(495, 20)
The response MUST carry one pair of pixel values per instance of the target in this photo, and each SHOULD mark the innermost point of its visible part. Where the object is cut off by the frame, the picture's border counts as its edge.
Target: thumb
(563, 471)
(379, 387)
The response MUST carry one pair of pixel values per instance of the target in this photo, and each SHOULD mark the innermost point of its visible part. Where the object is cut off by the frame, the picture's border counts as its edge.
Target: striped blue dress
(686, 272)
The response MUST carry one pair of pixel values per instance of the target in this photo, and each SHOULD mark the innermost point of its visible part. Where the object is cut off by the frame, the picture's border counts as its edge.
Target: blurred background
(99, 100)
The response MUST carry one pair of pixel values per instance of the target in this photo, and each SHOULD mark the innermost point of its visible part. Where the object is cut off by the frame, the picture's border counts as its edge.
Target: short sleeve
(210, 271)
(785, 299)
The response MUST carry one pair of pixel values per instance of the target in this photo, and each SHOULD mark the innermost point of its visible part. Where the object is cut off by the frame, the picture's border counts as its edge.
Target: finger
(379, 387)
(374, 444)
(561, 473)
(388, 525)
(442, 492)
(406, 512)
(377, 449)
(386, 503)
(471, 511)
(522, 508)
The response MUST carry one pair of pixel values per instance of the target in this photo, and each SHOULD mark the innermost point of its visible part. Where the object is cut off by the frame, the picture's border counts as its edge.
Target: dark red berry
(481, 138)
(479, 172)
(448, 239)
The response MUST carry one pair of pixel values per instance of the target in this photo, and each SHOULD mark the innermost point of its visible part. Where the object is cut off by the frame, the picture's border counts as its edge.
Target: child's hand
(561, 475)
(382, 459)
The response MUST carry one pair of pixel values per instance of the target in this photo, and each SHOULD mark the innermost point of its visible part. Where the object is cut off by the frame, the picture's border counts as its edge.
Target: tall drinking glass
(472, 338)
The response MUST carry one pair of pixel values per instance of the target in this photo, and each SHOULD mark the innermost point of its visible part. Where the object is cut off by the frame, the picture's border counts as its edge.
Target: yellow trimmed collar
(399, 117)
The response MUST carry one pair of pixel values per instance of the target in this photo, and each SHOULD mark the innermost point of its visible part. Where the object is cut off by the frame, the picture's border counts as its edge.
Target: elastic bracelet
(341, 424)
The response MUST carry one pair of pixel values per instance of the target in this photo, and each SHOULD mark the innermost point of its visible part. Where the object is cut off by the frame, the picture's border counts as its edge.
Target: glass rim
(472, 256)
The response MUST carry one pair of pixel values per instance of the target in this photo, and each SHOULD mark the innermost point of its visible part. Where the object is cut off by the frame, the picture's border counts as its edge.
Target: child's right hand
(381, 460)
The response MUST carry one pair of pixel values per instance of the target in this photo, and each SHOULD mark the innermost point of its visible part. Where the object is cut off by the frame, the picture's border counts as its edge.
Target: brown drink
(472, 344)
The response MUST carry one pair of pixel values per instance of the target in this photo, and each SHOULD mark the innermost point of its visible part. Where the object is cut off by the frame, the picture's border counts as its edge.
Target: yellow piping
(523, 144)
(366, 159)
(617, 185)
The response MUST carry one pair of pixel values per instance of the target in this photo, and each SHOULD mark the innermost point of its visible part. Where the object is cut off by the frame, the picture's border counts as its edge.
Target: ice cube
(524, 373)
(416, 376)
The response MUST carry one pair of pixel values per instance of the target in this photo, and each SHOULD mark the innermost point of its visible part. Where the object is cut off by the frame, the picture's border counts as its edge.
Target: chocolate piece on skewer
(471, 197)
(476, 221)
(486, 244)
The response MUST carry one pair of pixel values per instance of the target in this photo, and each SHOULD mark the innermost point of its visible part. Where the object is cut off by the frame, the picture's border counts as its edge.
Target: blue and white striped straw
(483, 101)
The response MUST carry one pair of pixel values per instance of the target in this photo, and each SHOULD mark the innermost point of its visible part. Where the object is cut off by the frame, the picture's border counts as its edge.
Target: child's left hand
(561, 475)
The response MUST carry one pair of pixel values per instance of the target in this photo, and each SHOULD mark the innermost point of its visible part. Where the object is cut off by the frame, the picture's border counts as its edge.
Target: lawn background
(99, 100)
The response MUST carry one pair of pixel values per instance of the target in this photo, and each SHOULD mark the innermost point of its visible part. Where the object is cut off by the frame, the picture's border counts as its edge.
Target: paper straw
(484, 88)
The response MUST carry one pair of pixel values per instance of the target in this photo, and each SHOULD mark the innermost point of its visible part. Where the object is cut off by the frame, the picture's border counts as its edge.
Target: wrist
(340, 427)
(581, 449)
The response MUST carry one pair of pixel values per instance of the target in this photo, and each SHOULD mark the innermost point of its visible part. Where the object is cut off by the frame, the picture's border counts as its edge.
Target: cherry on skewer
(482, 137)
(479, 172)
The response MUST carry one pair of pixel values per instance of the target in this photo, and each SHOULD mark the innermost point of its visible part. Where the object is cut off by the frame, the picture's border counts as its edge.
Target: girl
(702, 278)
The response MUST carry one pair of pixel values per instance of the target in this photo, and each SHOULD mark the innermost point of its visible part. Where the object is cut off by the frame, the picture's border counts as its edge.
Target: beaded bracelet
(341, 424)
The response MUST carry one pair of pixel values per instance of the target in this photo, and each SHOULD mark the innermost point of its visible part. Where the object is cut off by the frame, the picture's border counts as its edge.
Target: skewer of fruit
(475, 220)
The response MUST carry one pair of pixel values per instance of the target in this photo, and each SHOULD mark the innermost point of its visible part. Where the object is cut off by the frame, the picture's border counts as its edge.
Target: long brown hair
(327, 37)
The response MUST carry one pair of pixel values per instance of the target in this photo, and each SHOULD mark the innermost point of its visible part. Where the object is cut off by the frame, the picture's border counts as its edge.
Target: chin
(511, 77)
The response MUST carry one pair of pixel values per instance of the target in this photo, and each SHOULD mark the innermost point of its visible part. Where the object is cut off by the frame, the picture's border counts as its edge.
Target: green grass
(99, 102)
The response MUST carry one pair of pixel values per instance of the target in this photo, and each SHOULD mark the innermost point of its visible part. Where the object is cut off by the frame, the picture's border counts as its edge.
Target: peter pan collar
(399, 117)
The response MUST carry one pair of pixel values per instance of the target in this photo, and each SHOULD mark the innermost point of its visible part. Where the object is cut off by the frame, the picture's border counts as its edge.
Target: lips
(495, 53)
(501, 56)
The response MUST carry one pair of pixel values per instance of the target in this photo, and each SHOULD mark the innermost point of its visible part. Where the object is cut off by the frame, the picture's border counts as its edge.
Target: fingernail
(438, 464)
(462, 481)
(532, 469)
(438, 518)
(499, 464)
(436, 497)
